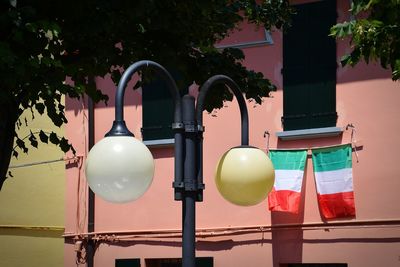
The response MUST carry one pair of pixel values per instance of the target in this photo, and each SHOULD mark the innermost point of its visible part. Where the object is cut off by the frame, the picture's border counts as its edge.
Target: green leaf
(345, 60)
(396, 71)
(137, 85)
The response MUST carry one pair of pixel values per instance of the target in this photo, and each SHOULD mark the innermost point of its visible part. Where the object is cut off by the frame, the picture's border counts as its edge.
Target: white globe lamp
(119, 169)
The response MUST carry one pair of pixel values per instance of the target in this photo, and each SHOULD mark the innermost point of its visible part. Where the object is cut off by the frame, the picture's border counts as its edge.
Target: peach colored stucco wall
(366, 97)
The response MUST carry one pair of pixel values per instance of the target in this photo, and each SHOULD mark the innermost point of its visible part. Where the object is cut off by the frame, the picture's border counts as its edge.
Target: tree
(43, 42)
(374, 32)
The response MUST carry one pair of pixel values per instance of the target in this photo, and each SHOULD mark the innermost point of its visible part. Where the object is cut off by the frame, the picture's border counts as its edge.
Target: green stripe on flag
(288, 159)
(332, 158)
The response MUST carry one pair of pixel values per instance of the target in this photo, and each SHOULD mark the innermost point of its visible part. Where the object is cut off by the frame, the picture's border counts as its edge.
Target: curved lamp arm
(119, 127)
(218, 79)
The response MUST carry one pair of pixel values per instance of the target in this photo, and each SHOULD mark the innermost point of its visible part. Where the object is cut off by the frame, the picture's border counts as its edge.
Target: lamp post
(120, 168)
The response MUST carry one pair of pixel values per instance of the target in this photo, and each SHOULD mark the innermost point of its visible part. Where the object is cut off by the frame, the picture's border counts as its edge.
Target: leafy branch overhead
(374, 32)
(43, 42)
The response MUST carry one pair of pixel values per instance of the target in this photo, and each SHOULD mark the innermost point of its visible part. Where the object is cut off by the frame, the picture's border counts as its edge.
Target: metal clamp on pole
(177, 126)
(201, 128)
(191, 186)
(190, 128)
(178, 185)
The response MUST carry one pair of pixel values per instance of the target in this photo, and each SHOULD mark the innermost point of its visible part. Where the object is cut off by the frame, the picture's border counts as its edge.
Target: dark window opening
(175, 262)
(158, 109)
(127, 263)
(309, 68)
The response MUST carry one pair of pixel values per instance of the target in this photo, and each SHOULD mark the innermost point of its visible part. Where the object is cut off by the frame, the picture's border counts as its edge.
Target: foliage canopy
(43, 42)
(374, 32)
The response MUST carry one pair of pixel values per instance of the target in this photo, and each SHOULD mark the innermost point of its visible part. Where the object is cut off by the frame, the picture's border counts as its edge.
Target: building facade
(318, 104)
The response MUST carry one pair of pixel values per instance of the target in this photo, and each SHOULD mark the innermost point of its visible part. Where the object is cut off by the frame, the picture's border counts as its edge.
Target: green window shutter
(309, 68)
(158, 110)
(127, 263)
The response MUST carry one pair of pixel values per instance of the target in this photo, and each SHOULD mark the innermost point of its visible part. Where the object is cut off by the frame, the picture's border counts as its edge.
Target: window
(127, 263)
(309, 68)
(158, 110)
(200, 262)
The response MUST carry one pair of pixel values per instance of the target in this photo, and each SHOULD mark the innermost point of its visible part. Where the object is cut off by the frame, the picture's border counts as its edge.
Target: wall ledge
(309, 133)
(159, 143)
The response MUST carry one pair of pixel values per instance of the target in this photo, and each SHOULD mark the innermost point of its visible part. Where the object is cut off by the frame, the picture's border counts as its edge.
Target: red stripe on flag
(284, 200)
(338, 205)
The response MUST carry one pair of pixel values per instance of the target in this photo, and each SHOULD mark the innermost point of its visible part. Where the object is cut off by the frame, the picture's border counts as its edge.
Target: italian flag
(334, 181)
(289, 171)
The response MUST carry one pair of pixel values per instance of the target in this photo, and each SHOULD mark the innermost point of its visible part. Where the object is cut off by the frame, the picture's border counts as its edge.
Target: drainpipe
(91, 245)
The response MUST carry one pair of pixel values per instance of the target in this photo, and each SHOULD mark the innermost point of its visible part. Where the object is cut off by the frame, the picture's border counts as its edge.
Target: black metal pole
(190, 184)
(91, 199)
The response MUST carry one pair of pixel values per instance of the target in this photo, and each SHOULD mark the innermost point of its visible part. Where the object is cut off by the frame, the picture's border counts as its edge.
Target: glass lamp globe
(244, 176)
(119, 168)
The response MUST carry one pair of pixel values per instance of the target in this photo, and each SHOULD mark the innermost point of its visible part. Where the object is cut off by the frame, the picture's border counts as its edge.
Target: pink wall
(366, 97)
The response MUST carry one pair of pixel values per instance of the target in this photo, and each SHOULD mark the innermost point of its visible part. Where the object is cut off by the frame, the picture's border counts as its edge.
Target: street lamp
(120, 168)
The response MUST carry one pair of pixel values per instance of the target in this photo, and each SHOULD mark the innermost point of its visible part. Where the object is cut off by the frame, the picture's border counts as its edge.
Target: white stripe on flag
(331, 182)
(288, 180)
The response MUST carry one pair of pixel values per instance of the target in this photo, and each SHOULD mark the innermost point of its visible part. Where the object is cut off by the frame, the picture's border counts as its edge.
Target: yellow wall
(32, 204)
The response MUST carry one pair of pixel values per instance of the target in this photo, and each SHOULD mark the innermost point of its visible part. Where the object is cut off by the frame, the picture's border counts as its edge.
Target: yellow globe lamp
(119, 169)
(244, 176)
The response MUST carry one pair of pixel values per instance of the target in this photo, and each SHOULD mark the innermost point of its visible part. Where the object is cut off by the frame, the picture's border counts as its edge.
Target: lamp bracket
(190, 128)
(178, 126)
(201, 186)
(191, 186)
(119, 129)
(201, 128)
(178, 185)
(188, 185)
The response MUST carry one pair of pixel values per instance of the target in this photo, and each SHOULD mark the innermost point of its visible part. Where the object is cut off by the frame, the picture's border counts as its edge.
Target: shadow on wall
(107, 86)
(287, 245)
(361, 72)
(309, 143)
(163, 152)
